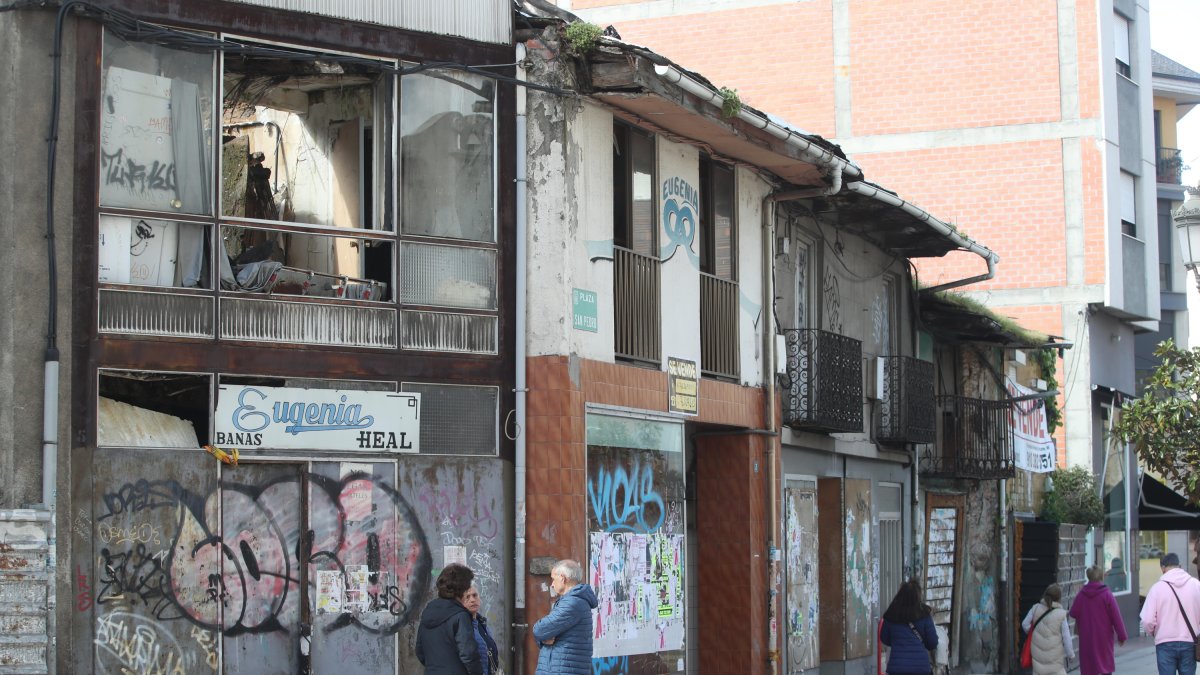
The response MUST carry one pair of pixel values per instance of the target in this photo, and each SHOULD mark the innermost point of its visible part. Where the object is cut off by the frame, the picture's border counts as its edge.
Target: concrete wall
(571, 238)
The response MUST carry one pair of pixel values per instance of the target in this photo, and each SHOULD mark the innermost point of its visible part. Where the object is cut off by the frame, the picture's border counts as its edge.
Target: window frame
(624, 235)
(710, 168)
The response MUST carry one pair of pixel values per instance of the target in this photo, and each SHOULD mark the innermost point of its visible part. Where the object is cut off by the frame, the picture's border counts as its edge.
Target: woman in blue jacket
(908, 629)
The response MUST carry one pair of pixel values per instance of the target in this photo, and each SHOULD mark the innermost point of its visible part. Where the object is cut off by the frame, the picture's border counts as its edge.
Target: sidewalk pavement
(1137, 657)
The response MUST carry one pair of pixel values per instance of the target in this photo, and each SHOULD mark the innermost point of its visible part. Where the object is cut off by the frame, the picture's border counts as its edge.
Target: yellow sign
(683, 386)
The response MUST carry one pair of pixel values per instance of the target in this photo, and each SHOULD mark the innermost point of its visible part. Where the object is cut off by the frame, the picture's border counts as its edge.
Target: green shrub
(1073, 498)
(583, 36)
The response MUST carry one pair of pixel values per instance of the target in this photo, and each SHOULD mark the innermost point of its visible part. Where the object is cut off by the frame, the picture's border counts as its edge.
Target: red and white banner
(1032, 444)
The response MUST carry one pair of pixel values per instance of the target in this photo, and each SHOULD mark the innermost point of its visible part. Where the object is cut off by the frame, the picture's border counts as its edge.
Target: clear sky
(1175, 32)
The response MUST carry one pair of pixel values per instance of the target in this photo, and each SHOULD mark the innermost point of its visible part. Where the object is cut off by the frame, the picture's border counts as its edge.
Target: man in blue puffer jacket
(565, 634)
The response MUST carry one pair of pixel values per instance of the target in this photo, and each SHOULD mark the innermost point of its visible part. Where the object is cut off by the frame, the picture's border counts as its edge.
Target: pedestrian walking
(1172, 614)
(489, 655)
(909, 631)
(445, 637)
(1097, 619)
(565, 634)
(1047, 625)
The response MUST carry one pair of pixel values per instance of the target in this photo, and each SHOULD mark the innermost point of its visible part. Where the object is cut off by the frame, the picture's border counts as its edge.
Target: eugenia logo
(298, 416)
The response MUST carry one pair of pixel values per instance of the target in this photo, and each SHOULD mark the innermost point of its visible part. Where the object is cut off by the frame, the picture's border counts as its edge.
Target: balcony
(637, 305)
(976, 441)
(906, 414)
(718, 326)
(824, 381)
(1170, 166)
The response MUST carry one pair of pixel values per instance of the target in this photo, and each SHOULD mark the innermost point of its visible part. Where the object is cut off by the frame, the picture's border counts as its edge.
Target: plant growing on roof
(1047, 360)
(582, 37)
(1164, 423)
(731, 103)
(1073, 498)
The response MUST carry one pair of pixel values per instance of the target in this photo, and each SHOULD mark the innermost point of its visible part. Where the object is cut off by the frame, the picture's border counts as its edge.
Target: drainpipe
(809, 151)
(519, 622)
(774, 456)
(945, 229)
(768, 319)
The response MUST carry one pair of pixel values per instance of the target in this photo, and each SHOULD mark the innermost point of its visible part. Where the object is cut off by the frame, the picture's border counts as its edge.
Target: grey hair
(571, 570)
(1094, 573)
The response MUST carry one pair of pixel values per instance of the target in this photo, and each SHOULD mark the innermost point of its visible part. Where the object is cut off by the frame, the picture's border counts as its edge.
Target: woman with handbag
(908, 629)
(1048, 634)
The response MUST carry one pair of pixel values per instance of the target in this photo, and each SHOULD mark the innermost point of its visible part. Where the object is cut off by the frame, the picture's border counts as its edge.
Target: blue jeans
(1176, 656)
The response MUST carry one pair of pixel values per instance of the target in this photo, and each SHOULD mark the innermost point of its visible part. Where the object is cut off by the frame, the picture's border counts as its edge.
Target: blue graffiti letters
(626, 501)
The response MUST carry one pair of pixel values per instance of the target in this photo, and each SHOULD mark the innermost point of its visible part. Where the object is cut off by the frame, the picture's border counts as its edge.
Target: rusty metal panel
(260, 590)
(483, 20)
(460, 506)
(26, 598)
(862, 569)
(150, 601)
(143, 313)
(831, 529)
(802, 626)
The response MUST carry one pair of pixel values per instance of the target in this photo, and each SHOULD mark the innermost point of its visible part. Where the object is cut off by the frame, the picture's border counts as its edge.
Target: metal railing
(906, 413)
(637, 306)
(1170, 166)
(975, 440)
(824, 390)
(718, 326)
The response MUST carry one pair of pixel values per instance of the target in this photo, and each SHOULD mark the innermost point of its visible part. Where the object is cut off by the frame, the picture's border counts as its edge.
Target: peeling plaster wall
(978, 620)
(750, 193)
(569, 167)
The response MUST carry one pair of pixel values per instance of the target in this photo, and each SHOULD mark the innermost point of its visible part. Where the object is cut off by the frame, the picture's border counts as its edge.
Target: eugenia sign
(250, 417)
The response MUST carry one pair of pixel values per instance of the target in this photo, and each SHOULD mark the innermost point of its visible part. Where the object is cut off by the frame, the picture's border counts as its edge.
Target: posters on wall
(802, 621)
(637, 554)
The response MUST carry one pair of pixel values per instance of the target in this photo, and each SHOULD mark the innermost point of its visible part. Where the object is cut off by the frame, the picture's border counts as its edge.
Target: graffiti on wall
(978, 644)
(189, 568)
(637, 555)
(862, 570)
(803, 605)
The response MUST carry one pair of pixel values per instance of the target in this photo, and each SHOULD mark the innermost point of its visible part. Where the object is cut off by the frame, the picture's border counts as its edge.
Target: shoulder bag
(921, 642)
(1195, 639)
(1027, 650)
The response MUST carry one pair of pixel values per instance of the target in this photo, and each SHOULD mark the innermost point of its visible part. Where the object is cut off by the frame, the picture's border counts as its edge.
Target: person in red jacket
(1097, 619)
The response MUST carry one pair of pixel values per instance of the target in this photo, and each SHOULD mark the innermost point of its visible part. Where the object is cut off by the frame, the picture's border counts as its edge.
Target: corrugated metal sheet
(482, 20)
(25, 599)
(440, 332)
(307, 323)
(141, 313)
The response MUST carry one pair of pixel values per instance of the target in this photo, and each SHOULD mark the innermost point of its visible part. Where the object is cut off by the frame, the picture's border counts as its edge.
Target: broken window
(142, 409)
(260, 260)
(151, 252)
(447, 166)
(304, 140)
(155, 128)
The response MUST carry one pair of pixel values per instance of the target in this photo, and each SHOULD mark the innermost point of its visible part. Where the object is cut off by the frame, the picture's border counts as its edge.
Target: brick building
(1028, 124)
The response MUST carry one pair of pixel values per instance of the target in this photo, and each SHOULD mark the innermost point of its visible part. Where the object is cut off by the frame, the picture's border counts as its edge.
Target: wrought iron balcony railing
(824, 381)
(637, 306)
(906, 414)
(718, 326)
(975, 440)
(1170, 166)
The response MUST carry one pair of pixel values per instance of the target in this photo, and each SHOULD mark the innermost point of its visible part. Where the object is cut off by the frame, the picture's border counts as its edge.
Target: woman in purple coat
(1096, 617)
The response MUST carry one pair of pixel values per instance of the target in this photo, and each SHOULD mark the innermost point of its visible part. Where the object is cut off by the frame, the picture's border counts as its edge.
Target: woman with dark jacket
(489, 655)
(908, 629)
(445, 636)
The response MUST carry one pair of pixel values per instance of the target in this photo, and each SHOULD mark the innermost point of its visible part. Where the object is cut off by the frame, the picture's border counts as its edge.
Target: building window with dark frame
(280, 179)
(633, 189)
(718, 269)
